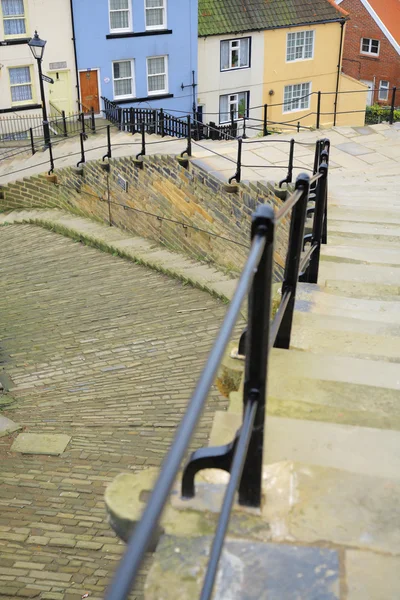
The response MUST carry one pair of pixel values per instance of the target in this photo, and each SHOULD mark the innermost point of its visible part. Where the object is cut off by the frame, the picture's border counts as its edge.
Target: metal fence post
(318, 224)
(83, 125)
(244, 128)
(238, 173)
(318, 109)
(293, 257)
(162, 124)
(32, 141)
(324, 157)
(143, 138)
(189, 136)
(392, 106)
(265, 123)
(256, 368)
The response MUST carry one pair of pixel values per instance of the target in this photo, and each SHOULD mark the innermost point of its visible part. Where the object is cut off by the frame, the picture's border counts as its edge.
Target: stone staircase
(329, 526)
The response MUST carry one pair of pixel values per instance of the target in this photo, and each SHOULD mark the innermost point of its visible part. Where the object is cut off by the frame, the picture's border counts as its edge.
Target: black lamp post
(37, 48)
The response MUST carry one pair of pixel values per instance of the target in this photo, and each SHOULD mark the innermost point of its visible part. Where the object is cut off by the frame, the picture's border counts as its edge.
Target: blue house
(137, 53)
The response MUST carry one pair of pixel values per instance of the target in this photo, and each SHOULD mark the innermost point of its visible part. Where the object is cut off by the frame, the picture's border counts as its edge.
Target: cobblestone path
(107, 352)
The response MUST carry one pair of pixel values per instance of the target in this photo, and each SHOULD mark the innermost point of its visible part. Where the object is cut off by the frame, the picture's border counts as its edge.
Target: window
(296, 97)
(123, 79)
(300, 45)
(13, 17)
(233, 106)
(369, 46)
(383, 90)
(20, 84)
(157, 80)
(235, 54)
(155, 14)
(120, 15)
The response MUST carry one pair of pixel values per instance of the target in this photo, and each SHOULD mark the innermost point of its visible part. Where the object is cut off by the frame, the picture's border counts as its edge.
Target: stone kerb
(186, 209)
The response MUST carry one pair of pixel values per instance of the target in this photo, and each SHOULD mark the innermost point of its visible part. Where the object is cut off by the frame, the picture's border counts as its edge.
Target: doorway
(370, 93)
(89, 85)
(60, 90)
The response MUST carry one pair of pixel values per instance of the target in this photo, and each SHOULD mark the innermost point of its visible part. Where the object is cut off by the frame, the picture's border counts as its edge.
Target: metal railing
(243, 457)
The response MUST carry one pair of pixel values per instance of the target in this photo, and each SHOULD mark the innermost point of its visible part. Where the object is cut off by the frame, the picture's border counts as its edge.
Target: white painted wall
(52, 20)
(213, 82)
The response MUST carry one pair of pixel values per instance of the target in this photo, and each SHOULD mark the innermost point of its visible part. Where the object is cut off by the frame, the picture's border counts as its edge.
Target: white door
(370, 93)
(60, 90)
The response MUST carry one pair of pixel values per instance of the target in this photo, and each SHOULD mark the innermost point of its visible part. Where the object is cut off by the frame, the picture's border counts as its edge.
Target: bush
(378, 114)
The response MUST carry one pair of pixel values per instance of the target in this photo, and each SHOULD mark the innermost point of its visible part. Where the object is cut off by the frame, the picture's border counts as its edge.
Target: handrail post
(143, 137)
(324, 157)
(83, 125)
(289, 176)
(238, 174)
(293, 257)
(188, 150)
(392, 105)
(108, 155)
(265, 123)
(256, 367)
(32, 141)
(64, 120)
(244, 128)
(82, 139)
(93, 119)
(161, 117)
(311, 275)
(318, 109)
(51, 158)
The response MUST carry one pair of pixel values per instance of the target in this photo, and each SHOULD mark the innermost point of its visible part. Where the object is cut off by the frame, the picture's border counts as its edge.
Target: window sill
(297, 60)
(129, 34)
(20, 107)
(297, 110)
(234, 69)
(144, 99)
(14, 41)
(369, 55)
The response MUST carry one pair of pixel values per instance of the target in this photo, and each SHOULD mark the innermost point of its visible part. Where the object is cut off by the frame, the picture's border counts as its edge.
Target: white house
(19, 80)
(231, 78)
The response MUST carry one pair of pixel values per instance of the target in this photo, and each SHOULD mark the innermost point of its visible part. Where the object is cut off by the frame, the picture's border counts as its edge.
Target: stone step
(314, 299)
(366, 255)
(364, 215)
(372, 274)
(366, 290)
(354, 449)
(341, 335)
(372, 230)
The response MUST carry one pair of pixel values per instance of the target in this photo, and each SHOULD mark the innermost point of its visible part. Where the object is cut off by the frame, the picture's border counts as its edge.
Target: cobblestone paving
(107, 352)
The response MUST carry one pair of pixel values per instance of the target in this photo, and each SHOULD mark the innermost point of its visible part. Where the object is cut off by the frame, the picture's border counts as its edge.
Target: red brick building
(371, 51)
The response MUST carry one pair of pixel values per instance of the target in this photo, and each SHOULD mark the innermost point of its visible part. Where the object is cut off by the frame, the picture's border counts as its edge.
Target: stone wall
(187, 210)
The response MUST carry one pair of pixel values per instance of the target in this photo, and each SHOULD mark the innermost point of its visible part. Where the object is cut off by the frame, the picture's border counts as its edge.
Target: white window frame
(385, 89)
(368, 52)
(164, 23)
(296, 33)
(12, 85)
(238, 42)
(14, 18)
(234, 103)
(292, 110)
(121, 29)
(132, 77)
(165, 90)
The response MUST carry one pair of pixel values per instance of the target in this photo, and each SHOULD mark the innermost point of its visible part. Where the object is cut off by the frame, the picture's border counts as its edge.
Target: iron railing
(243, 457)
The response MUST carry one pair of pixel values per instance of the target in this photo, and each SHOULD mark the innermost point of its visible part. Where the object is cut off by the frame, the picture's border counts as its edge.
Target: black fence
(243, 457)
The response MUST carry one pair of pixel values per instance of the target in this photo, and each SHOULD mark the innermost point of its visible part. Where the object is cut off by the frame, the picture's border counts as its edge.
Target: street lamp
(37, 48)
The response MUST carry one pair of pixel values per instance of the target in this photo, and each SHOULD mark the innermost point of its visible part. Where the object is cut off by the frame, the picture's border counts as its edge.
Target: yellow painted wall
(321, 71)
(347, 102)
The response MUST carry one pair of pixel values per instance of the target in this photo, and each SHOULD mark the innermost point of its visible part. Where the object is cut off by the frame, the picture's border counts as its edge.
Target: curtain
(156, 83)
(20, 75)
(119, 4)
(119, 19)
(12, 7)
(224, 55)
(223, 109)
(123, 87)
(154, 13)
(20, 93)
(156, 66)
(244, 52)
(122, 69)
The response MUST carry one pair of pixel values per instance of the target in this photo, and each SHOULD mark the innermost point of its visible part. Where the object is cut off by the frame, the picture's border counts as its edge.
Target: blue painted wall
(91, 19)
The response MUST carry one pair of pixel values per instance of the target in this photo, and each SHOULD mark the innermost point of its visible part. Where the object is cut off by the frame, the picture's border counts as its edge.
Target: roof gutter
(306, 24)
(74, 43)
(342, 23)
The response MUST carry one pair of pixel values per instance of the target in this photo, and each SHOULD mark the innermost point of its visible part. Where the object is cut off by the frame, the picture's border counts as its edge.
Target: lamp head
(37, 46)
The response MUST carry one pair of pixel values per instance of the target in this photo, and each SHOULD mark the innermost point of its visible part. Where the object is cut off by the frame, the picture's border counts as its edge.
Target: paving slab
(247, 570)
(41, 443)
(353, 148)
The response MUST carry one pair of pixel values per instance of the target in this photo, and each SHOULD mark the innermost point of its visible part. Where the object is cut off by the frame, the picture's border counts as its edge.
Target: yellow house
(279, 58)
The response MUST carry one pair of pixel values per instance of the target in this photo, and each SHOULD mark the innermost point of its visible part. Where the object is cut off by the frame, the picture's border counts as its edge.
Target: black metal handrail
(242, 458)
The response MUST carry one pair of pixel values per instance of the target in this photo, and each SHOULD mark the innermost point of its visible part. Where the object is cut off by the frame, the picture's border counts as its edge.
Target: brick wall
(385, 67)
(163, 188)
